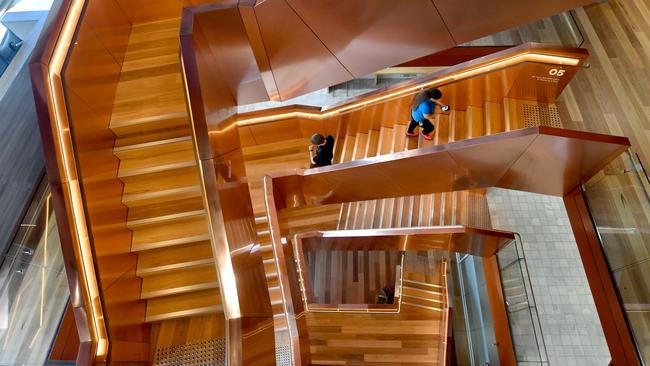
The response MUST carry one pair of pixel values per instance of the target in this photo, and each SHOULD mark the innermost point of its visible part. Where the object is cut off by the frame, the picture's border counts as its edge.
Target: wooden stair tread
(165, 211)
(184, 305)
(155, 156)
(180, 231)
(179, 281)
(348, 149)
(275, 149)
(144, 136)
(167, 259)
(155, 187)
(159, 146)
(359, 151)
(137, 100)
(157, 163)
(123, 126)
(372, 146)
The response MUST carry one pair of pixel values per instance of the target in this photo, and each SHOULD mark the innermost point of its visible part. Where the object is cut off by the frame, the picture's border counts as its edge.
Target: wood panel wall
(90, 80)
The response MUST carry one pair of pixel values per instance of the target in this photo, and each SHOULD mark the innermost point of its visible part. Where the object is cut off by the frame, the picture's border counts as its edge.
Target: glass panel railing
(474, 337)
(619, 202)
(560, 29)
(33, 286)
(523, 319)
(473, 328)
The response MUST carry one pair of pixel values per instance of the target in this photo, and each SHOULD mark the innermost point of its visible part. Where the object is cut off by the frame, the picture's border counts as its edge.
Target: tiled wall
(570, 324)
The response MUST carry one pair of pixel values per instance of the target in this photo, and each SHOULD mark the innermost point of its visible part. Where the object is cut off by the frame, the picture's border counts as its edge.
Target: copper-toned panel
(486, 162)
(232, 55)
(541, 82)
(370, 35)
(556, 162)
(472, 19)
(300, 62)
(496, 299)
(110, 25)
(376, 177)
(143, 11)
(92, 72)
(546, 160)
(247, 14)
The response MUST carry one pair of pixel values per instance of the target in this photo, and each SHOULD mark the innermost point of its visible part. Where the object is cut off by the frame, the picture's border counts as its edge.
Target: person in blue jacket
(422, 112)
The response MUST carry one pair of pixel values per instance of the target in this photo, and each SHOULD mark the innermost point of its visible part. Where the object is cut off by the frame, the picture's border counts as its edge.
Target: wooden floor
(411, 337)
(351, 277)
(613, 94)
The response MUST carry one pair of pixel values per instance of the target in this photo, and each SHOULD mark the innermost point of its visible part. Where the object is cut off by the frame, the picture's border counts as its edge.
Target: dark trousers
(427, 126)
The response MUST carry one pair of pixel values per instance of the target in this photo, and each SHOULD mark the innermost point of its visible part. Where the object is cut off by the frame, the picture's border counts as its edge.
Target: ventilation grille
(283, 356)
(540, 115)
(478, 213)
(211, 352)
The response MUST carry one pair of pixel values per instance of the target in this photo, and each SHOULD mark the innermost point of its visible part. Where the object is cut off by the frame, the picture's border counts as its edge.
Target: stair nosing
(155, 270)
(143, 120)
(163, 218)
(168, 243)
(184, 313)
(144, 145)
(422, 298)
(423, 290)
(134, 197)
(179, 290)
(422, 283)
(421, 306)
(155, 169)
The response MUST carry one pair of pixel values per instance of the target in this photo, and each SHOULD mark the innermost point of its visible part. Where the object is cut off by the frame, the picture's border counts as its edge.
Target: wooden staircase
(447, 208)
(271, 272)
(161, 183)
(423, 287)
(412, 337)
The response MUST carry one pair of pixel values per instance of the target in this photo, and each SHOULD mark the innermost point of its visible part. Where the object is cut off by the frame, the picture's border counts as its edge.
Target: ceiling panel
(232, 54)
(300, 62)
(370, 35)
(468, 20)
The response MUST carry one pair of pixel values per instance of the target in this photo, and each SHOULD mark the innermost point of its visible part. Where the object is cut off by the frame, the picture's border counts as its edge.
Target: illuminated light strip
(526, 57)
(87, 274)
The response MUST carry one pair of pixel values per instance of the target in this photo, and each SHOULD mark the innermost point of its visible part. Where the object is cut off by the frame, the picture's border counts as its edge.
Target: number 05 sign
(556, 72)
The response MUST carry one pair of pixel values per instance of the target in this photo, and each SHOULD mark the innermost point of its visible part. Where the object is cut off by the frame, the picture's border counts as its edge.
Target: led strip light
(62, 135)
(470, 72)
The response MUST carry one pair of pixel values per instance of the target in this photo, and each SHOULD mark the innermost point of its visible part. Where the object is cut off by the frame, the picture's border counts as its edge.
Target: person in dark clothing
(324, 150)
(423, 112)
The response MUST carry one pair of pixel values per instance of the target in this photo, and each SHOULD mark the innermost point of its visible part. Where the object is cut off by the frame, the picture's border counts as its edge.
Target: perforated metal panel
(283, 356)
(206, 353)
(540, 115)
